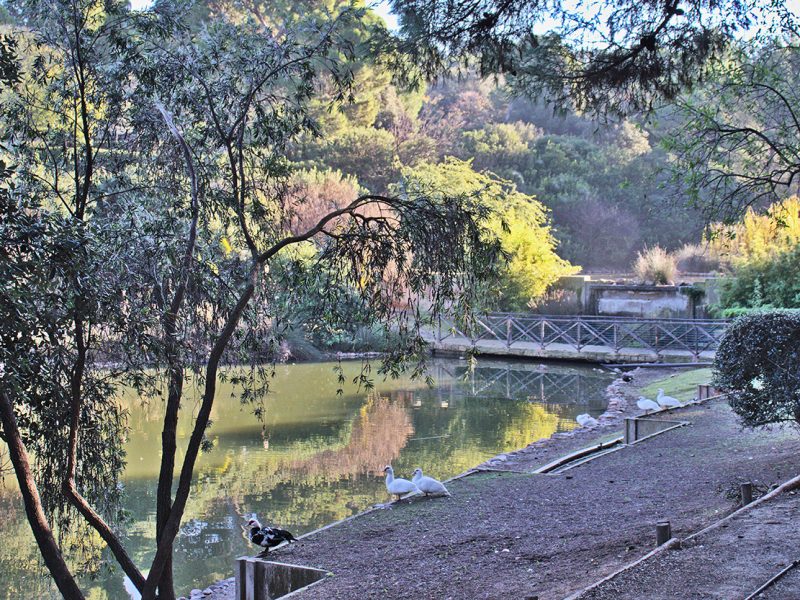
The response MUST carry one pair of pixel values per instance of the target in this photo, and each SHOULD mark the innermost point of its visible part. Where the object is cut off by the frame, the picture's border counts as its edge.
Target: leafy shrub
(757, 364)
(758, 236)
(531, 264)
(655, 265)
(768, 283)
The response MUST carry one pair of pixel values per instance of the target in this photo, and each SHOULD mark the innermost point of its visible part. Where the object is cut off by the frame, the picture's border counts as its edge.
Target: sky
(383, 9)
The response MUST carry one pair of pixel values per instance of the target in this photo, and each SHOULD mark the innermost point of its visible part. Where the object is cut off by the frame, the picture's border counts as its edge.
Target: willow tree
(62, 301)
(159, 153)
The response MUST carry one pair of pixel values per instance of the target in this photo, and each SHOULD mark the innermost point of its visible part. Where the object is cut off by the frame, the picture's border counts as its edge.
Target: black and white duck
(267, 537)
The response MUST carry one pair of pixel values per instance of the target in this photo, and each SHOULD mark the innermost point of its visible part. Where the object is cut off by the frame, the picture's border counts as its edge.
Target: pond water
(317, 457)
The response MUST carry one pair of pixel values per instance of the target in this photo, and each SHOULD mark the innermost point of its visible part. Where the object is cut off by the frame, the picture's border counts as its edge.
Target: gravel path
(786, 587)
(730, 562)
(511, 535)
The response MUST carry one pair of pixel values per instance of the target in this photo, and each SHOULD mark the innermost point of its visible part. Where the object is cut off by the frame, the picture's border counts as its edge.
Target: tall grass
(655, 265)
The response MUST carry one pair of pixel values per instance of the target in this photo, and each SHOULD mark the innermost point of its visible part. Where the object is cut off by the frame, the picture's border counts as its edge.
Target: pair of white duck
(661, 401)
(419, 483)
(645, 404)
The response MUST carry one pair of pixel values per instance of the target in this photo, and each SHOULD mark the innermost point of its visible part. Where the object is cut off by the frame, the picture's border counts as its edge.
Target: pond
(316, 457)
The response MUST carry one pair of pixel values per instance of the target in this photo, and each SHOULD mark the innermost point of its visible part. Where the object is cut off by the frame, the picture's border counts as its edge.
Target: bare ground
(731, 561)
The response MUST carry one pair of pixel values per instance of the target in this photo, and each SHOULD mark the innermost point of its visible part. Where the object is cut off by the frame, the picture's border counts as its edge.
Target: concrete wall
(648, 301)
(645, 301)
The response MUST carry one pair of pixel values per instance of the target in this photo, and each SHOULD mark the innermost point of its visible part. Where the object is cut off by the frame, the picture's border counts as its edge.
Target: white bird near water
(667, 401)
(586, 420)
(397, 487)
(646, 404)
(428, 485)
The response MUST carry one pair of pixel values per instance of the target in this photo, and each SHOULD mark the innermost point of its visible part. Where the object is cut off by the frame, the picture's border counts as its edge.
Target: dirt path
(510, 535)
(729, 562)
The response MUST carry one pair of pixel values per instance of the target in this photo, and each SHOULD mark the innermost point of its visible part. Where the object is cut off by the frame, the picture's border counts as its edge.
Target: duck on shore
(267, 537)
(397, 487)
(647, 405)
(586, 420)
(428, 485)
(667, 401)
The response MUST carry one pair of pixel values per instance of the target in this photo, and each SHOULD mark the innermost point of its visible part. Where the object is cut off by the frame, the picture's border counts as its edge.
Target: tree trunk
(48, 547)
(171, 527)
(166, 589)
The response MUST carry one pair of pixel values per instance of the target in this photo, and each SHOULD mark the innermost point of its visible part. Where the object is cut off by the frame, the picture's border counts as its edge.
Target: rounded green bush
(758, 363)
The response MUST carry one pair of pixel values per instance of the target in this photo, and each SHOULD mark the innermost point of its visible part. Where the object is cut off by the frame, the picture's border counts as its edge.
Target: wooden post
(241, 577)
(250, 580)
(508, 331)
(631, 430)
(747, 493)
(663, 533)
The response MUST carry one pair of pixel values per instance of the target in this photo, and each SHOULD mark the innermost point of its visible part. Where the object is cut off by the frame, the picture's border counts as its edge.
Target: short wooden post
(508, 331)
(250, 580)
(747, 493)
(241, 577)
(663, 533)
(631, 430)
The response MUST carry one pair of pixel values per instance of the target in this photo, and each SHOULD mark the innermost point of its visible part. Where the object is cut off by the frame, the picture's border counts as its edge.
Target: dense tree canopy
(152, 165)
(531, 264)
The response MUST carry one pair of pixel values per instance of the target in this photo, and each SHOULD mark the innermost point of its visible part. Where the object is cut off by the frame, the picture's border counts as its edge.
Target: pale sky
(382, 8)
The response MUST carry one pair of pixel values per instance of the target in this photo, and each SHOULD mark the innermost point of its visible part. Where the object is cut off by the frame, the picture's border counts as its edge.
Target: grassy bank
(681, 385)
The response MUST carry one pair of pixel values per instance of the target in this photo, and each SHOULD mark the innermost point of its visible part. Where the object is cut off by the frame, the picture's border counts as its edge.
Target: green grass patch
(682, 385)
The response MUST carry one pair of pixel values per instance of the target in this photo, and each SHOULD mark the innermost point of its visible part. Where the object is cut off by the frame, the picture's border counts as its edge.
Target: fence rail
(580, 332)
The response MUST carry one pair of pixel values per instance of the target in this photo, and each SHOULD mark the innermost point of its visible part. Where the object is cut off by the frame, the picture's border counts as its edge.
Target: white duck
(667, 401)
(397, 487)
(586, 420)
(646, 404)
(428, 485)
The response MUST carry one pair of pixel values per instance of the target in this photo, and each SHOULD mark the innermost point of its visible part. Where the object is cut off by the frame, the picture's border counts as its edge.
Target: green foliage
(365, 153)
(531, 264)
(611, 55)
(758, 236)
(756, 363)
(42, 252)
(763, 284)
(157, 221)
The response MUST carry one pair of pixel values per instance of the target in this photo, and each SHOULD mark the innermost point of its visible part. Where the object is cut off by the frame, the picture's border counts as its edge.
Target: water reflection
(317, 457)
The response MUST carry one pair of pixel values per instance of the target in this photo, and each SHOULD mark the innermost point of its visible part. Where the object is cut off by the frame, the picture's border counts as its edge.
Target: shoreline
(617, 393)
(505, 534)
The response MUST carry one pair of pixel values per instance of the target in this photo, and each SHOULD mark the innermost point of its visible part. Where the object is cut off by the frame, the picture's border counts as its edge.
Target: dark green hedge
(758, 363)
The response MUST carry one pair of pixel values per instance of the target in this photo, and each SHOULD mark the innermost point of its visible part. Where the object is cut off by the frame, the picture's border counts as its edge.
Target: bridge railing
(581, 331)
